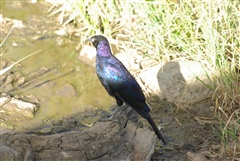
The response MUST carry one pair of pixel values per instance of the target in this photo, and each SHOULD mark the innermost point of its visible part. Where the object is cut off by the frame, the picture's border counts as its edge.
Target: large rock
(110, 140)
(67, 90)
(177, 82)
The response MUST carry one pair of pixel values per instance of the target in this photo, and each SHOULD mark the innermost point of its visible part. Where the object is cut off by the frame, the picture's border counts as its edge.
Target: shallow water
(58, 63)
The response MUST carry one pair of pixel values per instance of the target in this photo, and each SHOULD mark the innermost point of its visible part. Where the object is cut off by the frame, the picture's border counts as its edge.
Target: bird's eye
(94, 39)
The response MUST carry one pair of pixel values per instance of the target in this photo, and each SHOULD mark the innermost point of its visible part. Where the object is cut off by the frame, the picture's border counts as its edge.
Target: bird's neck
(103, 49)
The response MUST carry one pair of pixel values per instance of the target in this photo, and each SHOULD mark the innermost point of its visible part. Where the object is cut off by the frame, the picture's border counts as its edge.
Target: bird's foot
(167, 141)
(110, 118)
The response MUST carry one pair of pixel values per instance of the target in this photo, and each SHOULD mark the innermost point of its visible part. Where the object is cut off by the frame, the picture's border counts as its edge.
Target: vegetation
(204, 31)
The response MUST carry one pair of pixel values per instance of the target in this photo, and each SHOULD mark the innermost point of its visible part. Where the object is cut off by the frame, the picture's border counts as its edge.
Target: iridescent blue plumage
(118, 81)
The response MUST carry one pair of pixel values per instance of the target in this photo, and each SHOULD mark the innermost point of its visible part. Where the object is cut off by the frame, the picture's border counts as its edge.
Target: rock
(3, 64)
(177, 82)
(195, 157)
(8, 153)
(14, 107)
(88, 55)
(19, 79)
(7, 83)
(130, 60)
(124, 58)
(109, 140)
(147, 62)
(14, 111)
(67, 91)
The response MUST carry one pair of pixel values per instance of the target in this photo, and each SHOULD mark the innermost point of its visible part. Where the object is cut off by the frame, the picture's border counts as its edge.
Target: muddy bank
(124, 138)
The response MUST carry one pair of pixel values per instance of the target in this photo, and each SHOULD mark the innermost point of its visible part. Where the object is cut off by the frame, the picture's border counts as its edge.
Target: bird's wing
(125, 86)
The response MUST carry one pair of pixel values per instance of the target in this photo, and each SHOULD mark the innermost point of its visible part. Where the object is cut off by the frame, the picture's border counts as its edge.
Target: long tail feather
(152, 123)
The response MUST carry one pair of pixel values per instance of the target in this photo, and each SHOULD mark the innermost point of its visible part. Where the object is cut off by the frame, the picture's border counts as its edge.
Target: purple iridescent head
(96, 39)
(101, 44)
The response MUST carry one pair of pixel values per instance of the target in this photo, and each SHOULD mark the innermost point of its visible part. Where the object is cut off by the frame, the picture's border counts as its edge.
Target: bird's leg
(112, 115)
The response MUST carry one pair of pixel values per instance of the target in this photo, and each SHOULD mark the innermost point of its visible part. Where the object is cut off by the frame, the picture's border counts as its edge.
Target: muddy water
(58, 60)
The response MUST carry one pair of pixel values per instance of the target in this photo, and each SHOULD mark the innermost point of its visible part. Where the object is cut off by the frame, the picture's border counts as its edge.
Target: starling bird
(118, 81)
